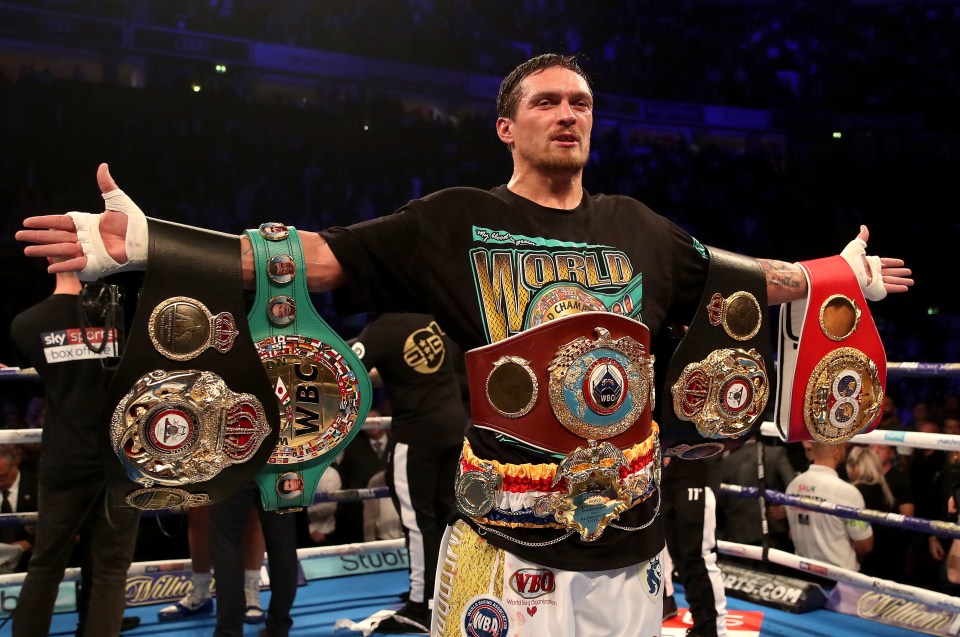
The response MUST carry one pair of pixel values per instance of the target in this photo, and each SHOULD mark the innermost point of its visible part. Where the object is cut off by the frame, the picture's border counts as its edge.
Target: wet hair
(869, 471)
(508, 99)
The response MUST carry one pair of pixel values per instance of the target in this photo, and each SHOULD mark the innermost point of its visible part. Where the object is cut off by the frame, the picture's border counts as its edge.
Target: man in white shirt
(821, 536)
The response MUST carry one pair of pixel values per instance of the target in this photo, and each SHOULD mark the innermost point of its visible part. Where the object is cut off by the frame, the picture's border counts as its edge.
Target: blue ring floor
(322, 602)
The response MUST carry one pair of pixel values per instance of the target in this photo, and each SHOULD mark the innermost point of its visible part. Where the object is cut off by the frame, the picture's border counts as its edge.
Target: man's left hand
(878, 276)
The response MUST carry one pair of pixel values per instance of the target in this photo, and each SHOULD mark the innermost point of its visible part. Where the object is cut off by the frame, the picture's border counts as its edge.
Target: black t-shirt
(889, 552)
(900, 486)
(490, 264)
(416, 362)
(47, 337)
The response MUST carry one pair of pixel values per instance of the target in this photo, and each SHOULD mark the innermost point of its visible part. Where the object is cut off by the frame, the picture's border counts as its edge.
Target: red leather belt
(833, 368)
(588, 376)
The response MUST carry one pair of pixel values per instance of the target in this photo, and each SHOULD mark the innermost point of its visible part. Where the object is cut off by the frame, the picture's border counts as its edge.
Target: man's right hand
(94, 245)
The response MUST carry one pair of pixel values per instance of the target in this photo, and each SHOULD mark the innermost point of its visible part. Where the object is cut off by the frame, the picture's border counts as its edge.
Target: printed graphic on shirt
(423, 350)
(62, 346)
(524, 281)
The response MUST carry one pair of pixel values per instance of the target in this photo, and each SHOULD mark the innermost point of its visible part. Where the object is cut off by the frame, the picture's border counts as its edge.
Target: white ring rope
(837, 574)
(890, 437)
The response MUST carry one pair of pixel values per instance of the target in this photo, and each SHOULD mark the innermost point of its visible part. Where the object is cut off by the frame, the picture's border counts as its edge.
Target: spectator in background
(199, 599)
(951, 408)
(924, 466)
(415, 360)
(821, 536)
(898, 481)
(321, 516)
(380, 518)
(18, 491)
(229, 519)
(923, 556)
(73, 497)
(946, 486)
(920, 414)
(361, 460)
(689, 514)
(890, 419)
(951, 425)
(740, 517)
(888, 557)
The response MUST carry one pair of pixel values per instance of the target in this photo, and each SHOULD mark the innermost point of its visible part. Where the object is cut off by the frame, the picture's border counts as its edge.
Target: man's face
(841, 453)
(281, 310)
(551, 131)
(884, 453)
(8, 471)
(281, 268)
(951, 426)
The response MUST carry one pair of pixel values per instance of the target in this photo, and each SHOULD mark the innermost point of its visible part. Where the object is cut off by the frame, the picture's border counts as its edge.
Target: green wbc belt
(321, 388)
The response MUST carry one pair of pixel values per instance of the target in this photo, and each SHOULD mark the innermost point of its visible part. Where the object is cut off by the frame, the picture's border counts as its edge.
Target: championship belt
(718, 376)
(321, 389)
(832, 364)
(582, 387)
(186, 404)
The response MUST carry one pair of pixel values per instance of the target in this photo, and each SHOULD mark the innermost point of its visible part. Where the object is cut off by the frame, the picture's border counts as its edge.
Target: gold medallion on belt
(724, 393)
(182, 328)
(182, 427)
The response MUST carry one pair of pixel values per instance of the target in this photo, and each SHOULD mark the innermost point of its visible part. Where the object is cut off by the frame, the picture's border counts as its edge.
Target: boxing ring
(348, 583)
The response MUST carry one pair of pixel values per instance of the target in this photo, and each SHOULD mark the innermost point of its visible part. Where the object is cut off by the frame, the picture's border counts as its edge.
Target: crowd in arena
(758, 54)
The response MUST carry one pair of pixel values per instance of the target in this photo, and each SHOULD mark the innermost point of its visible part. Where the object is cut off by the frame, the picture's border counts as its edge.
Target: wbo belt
(718, 376)
(585, 377)
(321, 389)
(833, 367)
(186, 403)
(584, 493)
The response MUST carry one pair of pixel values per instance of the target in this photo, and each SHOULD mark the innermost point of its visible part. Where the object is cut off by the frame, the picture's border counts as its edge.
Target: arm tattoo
(785, 281)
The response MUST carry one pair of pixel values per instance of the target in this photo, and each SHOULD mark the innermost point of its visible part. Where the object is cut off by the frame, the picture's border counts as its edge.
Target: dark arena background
(766, 127)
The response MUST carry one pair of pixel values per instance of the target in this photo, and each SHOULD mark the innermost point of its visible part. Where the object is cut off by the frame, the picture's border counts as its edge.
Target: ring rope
(909, 522)
(341, 495)
(30, 436)
(890, 437)
(915, 439)
(922, 369)
(837, 574)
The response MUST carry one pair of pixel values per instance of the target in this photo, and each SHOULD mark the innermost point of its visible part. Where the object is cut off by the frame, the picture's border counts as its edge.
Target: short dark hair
(508, 99)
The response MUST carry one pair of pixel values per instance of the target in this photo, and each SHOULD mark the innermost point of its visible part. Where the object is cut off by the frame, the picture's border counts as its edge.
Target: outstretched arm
(96, 245)
(786, 282)
(324, 272)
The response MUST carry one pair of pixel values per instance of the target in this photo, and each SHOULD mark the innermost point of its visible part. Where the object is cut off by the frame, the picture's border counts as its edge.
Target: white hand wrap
(854, 253)
(99, 262)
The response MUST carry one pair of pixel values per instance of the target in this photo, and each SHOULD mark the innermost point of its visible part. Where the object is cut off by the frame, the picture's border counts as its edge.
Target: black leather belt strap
(204, 267)
(731, 321)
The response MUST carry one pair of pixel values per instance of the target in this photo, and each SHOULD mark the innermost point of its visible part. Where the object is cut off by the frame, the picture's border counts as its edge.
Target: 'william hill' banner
(893, 611)
(170, 581)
